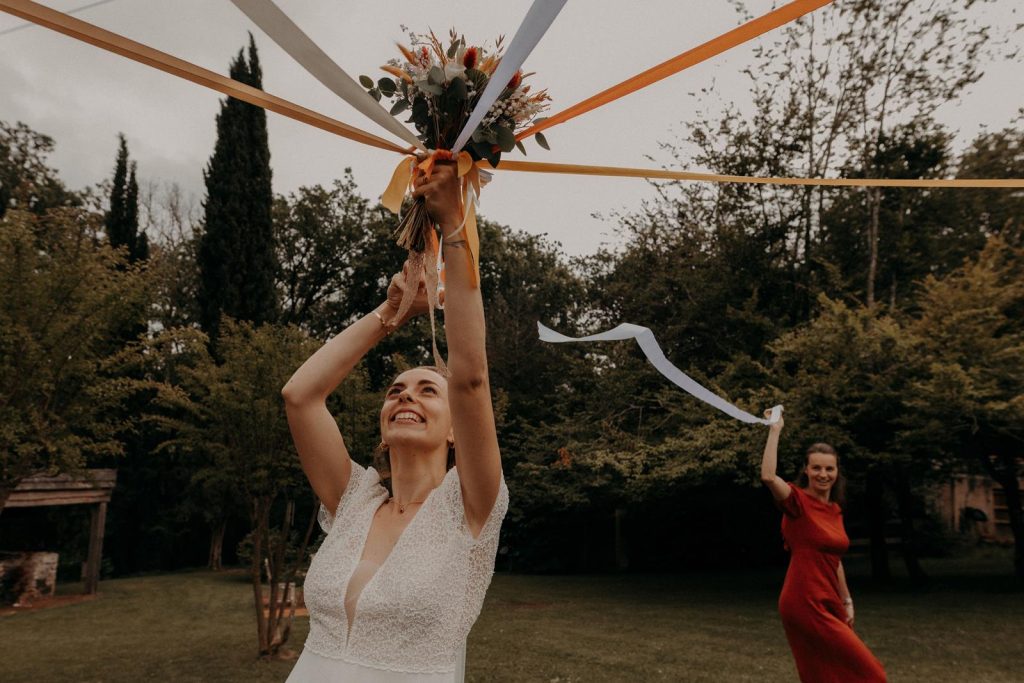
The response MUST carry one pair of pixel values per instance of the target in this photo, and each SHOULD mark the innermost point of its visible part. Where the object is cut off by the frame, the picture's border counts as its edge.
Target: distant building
(975, 505)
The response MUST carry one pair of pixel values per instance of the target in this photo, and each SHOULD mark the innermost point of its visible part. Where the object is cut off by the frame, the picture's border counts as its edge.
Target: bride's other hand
(396, 290)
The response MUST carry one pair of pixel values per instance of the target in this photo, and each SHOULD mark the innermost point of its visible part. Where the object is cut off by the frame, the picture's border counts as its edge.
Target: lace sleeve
(451, 490)
(355, 482)
(492, 526)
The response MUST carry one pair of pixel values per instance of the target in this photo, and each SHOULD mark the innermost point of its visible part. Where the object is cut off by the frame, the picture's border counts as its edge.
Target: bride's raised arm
(325, 460)
(469, 389)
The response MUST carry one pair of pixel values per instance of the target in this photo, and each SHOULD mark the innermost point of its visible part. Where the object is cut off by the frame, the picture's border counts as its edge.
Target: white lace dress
(413, 614)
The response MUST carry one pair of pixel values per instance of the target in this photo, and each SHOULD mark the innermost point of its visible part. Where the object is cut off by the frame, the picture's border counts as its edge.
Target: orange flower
(469, 59)
(409, 56)
(516, 80)
(395, 71)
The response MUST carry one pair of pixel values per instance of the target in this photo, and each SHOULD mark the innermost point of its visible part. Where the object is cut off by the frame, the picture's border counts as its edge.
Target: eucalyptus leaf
(400, 106)
(506, 138)
(366, 81)
(542, 141)
(435, 76)
(420, 111)
(431, 89)
(452, 49)
(482, 149)
(387, 87)
(457, 90)
(521, 147)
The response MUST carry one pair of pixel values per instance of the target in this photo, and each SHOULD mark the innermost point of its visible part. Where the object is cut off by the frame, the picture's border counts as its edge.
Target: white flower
(453, 70)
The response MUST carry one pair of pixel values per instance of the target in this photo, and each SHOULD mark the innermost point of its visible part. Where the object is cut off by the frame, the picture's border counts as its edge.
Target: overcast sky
(83, 96)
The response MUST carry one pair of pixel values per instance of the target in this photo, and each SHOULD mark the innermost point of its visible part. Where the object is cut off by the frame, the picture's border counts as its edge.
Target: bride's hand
(396, 290)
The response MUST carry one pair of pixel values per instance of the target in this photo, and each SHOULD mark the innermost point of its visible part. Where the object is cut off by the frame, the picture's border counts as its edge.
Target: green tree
(67, 295)
(236, 257)
(844, 377)
(969, 406)
(122, 219)
(27, 182)
(232, 410)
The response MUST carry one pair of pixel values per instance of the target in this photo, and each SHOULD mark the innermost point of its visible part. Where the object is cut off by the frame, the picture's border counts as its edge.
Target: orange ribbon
(138, 52)
(739, 35)
(662, 174)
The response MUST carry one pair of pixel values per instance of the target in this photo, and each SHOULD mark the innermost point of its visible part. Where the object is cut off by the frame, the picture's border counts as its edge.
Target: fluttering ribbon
(649, 345)
(739, 35)
(533, 27)
(290, 38)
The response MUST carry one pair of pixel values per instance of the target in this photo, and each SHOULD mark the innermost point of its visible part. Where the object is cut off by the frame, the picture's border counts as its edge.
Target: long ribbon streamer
(535, 24)
(624, 172)
(290, 38)
(739, 35)
(649, 345)
(112, 42)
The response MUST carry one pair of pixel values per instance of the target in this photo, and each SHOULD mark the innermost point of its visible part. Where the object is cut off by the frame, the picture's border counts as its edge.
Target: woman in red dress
(815, 604)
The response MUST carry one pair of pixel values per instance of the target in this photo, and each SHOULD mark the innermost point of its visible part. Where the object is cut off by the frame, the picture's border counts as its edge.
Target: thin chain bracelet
(383, 323)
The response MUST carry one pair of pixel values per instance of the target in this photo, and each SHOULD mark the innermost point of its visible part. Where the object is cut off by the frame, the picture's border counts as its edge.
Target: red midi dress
(825, 648)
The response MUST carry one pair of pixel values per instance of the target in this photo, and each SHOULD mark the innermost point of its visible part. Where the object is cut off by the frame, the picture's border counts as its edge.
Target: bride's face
(415, 413)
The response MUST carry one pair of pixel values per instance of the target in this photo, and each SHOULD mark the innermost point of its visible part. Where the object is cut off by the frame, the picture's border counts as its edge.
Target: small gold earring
(383, 446)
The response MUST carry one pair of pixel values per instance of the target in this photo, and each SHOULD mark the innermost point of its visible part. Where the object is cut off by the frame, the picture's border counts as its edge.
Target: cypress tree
(236, 251)
(122, 220)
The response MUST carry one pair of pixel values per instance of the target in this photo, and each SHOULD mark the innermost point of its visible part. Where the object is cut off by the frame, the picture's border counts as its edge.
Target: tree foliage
(67, 297)
(237, 262)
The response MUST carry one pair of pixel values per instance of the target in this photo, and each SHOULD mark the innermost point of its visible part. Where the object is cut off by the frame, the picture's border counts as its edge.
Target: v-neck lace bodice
(413, 612)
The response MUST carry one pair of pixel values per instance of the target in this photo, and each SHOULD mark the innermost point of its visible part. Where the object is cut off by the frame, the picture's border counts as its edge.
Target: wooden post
(97, 522)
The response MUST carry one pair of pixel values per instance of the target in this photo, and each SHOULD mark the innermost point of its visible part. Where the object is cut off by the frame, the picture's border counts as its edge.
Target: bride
(398, 582)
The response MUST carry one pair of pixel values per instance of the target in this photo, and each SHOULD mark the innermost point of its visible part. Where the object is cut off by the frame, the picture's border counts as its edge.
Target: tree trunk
(1011, 488)
(908, 536)
(876, 526)
(1013, 508)
(876, 203)
(217, 546)
(621, 558)
(260, 517)
(1007, 477)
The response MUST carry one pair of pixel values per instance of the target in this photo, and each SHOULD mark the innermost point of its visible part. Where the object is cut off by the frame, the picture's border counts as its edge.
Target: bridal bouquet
(440, 88)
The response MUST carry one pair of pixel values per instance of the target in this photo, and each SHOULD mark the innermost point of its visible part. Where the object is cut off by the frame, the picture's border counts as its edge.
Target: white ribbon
(649, 345)
(283, 31)
(541, 15)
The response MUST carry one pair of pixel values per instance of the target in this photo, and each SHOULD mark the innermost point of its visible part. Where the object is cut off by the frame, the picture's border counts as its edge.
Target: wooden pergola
(94, 488)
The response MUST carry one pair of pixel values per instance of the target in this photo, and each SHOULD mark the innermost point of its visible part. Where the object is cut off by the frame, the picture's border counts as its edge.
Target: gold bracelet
(383, 323)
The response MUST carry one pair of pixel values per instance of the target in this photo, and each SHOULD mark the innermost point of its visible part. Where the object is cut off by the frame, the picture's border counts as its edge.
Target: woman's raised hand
(442, 195)
(774, 426)
(396, 290)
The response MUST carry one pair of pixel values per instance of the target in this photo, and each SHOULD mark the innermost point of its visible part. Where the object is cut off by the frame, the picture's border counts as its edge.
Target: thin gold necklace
(402, 506)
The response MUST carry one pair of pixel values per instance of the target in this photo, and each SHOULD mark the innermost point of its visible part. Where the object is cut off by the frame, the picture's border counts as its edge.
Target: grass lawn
(198, 626)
